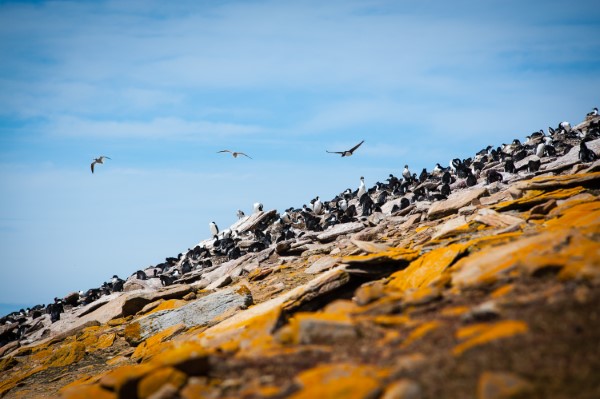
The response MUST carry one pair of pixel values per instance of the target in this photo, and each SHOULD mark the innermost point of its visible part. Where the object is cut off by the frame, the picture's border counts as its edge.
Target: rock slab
(197, 313)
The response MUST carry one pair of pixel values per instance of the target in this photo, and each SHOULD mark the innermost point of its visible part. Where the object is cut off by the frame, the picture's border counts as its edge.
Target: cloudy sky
(161, 87)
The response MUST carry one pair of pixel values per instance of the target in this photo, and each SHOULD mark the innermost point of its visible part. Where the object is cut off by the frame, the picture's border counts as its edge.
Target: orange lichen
(9, 383)
(168, 305)
(153, 381)
(455, 311)
(503, 290)
(536, 197)
(489, 265)
(343, 381)
(85, 380)
(392, 254)
(66, 354)
(133, 332)
(87, 392)
(482, 333)
(421, 331)
(425, 269)
(582, 215)
(151, 346)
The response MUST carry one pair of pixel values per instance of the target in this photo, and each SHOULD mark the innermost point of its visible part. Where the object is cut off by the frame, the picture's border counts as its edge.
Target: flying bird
(346, 153)
(98, 160)
(235, 154)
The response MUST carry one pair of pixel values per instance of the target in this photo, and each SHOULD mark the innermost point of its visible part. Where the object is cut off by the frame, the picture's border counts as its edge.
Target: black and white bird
(361, 188)
(99, 160)
(406, 173)
(593, 113)
(214, 229)
(258, 207)
(317, 206)
(240, 214)
(235, 153)
(348, 152)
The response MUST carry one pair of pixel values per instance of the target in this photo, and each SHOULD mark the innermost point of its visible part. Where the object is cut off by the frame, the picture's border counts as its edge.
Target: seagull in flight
(235, 154)
(346, 153)
(98, 160)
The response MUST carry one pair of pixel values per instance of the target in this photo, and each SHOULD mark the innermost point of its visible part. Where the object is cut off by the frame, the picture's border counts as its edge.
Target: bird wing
(223, 151)
(92, 166)
(103, 156)
(335, 152)
(356, 146)
(241, 153)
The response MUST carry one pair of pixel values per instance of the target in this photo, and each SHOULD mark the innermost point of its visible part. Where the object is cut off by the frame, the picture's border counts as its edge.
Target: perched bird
(98, 160)
(214, 230)
(361, 188)
(258, 207)
(235, 154)
(585, 154)
(240, 214)
(593, 113)
(317, 206)
(406, 173)
(348, 152)
(540, 150)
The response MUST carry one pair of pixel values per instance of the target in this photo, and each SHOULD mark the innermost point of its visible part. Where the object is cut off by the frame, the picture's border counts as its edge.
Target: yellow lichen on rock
(426, 269)
(66, 354)
(421, 331)
(154, 380)
(87, 392)
(152, 345)
(339, 381)
(482, 333)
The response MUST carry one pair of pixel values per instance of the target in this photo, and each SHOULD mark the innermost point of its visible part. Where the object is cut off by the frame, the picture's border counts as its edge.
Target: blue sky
(161, 87)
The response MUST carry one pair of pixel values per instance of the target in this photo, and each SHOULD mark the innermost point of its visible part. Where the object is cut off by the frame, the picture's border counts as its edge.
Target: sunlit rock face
(487, 293)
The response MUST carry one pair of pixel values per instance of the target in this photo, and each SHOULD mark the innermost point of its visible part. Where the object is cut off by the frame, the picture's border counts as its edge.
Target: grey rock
(324, 263)
(197, 313)
(454, 202)
(339, 229)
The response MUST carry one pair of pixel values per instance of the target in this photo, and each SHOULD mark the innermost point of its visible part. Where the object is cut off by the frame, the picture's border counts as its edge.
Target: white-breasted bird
(406, 173)
(258, 207)
(214, 230)
(235, 153)
(317, 206)
(348, 152)
(98, 160)
(361, 188)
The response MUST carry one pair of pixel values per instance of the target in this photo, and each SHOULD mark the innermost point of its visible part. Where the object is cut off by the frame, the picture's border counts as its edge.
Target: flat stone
(454, 202)
(220, 282)
(571, 158)
(370, 247)
(495, 219)
(134, 303)
(339, 229)
(250, 222)
(322, 264)
(323, 328)
(197, 313)
(403, 389)
(502, 385)
(452, 226)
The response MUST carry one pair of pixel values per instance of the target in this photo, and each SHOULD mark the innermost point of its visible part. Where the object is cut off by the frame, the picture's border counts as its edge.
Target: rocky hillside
(490, 290)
